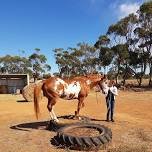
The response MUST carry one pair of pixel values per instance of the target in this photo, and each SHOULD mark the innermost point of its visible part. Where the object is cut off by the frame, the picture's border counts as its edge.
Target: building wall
(10, 85)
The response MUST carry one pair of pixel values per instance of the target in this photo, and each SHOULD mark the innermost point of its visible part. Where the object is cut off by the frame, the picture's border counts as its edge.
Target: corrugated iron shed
(11, 83)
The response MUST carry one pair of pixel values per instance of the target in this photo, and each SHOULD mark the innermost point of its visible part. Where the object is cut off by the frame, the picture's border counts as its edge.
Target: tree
(120, 35)
(64, 61)
(88, 58)
(15, 64)
(121, 55)
(38, 62)
(143, 34)
(76, 61)
(105, 53)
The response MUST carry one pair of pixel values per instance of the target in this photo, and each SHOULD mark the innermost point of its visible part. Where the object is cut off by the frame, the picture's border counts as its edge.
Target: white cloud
(125, 9)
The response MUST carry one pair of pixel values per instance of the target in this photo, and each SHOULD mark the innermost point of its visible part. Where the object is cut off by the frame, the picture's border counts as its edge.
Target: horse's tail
(37, 96)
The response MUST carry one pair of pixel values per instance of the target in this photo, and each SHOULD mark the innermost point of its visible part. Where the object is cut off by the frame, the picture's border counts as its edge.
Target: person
(110, 100)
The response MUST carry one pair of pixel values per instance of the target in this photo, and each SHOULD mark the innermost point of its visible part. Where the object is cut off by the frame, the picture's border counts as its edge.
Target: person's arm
(114, 90)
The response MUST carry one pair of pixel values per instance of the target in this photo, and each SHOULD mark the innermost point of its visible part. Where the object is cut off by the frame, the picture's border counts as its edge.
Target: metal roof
(13, 76)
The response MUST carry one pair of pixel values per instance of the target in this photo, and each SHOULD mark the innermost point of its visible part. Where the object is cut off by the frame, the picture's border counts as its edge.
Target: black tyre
(54, 126)
(66, 136)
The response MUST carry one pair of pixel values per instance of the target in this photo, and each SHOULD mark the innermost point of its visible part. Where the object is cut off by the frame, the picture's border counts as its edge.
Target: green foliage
(15, 64)
(102, 41)
(39, 65)
(121, 52)
(146, 8)
(76, 61)
(35, 64)
(122, 27)
(106, 56)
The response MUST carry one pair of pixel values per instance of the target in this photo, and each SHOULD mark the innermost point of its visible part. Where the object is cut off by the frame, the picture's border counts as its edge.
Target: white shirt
(113, 89)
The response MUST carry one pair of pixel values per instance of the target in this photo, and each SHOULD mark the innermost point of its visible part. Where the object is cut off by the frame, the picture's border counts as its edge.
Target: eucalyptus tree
(15, 64)
(88, 58)
(120, 36)
(58, 52)
(65, 61)
(105, 52)
(143, 33)
(121, 55)
(38, 62)
(76, 61)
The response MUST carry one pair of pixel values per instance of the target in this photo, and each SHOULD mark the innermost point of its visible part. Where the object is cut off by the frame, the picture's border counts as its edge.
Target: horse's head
(104, 84)
(93, 80)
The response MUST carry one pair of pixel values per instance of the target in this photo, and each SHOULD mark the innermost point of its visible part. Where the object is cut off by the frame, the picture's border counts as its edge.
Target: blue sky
(49, 24)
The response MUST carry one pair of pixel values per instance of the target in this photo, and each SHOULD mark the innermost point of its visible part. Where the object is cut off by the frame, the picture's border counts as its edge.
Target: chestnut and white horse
(76, 88)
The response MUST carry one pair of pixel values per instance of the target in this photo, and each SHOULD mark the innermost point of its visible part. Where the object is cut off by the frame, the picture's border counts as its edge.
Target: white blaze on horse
(76, 88)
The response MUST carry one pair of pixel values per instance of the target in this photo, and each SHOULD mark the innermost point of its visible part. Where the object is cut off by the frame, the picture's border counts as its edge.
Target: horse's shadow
(30, 125)
(43, 125)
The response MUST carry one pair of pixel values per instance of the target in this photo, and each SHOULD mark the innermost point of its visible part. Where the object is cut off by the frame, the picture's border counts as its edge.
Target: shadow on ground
(22, 101)
(45, 125)
(31, 125)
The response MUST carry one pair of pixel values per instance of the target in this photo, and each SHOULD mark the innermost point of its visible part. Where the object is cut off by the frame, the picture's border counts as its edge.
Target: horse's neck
(93, 84)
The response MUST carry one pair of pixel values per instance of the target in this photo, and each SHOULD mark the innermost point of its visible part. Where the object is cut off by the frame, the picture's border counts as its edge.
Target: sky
(49, 24)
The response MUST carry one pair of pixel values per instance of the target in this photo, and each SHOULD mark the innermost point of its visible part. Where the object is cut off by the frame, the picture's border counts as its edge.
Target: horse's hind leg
(51, 103)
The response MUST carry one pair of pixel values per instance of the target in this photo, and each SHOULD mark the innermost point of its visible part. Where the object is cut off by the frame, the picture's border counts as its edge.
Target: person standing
(110, 100)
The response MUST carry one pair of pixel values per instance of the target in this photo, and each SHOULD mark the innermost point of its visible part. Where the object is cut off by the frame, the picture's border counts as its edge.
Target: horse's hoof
(79, 118)
(75, 118)
(56, 120)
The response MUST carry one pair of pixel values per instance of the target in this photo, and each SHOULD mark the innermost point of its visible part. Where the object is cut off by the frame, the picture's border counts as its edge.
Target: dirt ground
(132, 129)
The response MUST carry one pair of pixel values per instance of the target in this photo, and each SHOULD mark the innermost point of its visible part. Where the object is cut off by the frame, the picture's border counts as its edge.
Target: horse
(68, 89)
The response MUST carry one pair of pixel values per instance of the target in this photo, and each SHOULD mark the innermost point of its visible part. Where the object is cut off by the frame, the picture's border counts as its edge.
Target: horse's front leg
(80, 105)
(51, 103)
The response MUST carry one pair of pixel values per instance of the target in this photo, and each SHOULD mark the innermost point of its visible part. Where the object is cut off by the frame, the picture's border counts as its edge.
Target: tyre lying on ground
(83, 136)
(66, 121)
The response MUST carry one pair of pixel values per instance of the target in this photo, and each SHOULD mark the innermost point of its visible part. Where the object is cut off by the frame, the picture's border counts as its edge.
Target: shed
(10, 83)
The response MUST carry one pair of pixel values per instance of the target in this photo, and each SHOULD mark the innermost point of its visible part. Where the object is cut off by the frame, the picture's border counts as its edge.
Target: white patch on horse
(61, 81)
(72, 89)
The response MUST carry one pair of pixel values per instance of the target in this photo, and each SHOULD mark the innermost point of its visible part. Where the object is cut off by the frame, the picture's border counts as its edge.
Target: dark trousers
(110, 108)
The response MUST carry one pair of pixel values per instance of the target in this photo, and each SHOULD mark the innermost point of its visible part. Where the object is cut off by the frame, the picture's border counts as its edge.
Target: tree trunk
(140, 81)
(124, 77)
(35, 79)
(150, 76)
(117, 74)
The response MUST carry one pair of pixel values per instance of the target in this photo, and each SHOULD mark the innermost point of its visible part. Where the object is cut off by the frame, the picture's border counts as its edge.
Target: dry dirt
(132, 127)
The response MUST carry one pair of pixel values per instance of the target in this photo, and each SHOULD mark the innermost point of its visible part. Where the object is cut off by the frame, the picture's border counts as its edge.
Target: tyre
(84, 136)
(54, 126)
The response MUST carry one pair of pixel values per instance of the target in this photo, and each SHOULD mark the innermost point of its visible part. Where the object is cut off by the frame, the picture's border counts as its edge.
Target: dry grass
(132, 126)
(134, 82)
(129, 148)
(143, 135)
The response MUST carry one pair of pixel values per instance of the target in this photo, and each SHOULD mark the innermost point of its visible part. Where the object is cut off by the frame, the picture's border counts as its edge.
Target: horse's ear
(104, 76)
